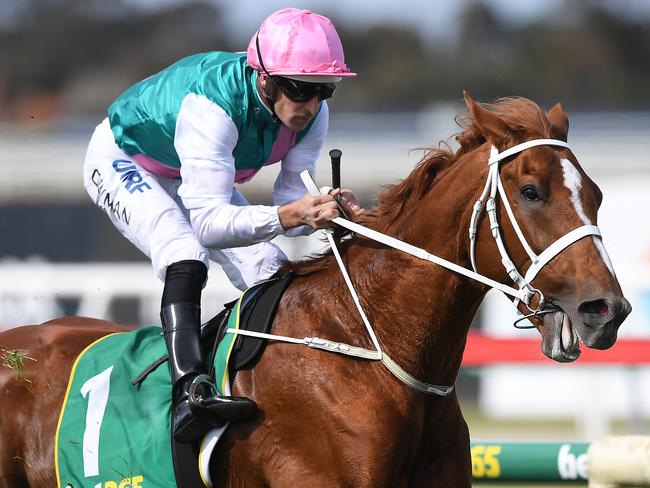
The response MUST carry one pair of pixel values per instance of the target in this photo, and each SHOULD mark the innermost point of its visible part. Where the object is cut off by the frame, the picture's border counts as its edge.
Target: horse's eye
(529, 192)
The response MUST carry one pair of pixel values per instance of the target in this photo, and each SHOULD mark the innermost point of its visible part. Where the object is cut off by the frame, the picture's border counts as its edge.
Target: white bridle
(493, 185)
(524, 292)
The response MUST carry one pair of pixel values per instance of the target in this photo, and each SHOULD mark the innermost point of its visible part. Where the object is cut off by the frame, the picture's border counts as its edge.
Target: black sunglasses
(302, 91)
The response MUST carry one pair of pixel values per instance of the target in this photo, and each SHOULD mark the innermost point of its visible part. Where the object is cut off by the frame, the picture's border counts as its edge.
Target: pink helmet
(298, 43)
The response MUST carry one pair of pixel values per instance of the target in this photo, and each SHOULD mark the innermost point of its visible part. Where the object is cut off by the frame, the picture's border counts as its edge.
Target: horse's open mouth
(560, 340)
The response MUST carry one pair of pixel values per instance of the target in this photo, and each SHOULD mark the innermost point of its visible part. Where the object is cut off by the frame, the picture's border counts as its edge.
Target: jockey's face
(295, 115)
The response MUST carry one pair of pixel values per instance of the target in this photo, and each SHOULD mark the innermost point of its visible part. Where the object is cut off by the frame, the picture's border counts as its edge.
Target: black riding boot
(196, 407)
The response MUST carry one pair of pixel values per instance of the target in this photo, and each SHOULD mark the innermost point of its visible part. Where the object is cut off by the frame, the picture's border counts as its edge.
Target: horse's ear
(559, 122)
(492, 127)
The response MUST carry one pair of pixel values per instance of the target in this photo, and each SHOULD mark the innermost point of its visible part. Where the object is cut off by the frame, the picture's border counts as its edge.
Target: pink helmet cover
(295, 42)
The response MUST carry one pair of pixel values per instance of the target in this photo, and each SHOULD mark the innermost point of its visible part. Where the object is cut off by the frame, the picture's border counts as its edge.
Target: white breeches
(146, 209)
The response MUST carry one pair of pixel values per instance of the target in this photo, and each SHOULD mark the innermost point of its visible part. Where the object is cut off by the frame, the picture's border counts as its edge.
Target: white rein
(523, 293)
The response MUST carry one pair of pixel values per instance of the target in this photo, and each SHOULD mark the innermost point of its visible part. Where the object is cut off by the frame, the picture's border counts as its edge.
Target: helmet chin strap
(268, 90)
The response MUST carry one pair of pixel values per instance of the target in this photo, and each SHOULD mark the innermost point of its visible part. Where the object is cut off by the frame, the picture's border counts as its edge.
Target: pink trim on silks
(156, 167)
(243, 175)
(285, 141)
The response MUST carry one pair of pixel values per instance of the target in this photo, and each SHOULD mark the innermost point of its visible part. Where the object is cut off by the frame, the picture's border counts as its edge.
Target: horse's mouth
(560, 340)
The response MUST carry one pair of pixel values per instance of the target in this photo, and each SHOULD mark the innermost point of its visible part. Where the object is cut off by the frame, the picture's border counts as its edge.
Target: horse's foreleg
(444, 458)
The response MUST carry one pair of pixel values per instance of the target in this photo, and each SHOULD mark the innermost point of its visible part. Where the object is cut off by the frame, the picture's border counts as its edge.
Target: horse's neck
(421, 311)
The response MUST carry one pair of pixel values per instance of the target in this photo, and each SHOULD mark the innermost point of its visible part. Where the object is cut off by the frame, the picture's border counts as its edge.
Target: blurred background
(62, 62)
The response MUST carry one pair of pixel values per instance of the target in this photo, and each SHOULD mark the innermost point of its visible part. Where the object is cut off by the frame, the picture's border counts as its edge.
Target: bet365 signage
(528, 461)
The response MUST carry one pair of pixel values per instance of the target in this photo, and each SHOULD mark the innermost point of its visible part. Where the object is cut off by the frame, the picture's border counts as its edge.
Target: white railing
(35, 292)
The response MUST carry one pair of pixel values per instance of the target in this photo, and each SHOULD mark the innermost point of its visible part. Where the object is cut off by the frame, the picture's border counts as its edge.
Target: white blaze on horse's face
(573, 181)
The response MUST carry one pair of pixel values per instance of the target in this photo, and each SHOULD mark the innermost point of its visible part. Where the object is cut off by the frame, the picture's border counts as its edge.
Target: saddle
(256, 314)
(257, 308)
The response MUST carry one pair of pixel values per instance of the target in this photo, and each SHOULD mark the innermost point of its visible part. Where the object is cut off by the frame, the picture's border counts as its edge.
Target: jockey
(163, 165)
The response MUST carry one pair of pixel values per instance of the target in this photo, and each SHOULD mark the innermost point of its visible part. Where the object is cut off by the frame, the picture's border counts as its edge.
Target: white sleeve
(205, 139)
(288, 186)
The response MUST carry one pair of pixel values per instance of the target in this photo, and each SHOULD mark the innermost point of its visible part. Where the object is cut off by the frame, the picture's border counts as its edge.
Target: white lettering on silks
(573, 181)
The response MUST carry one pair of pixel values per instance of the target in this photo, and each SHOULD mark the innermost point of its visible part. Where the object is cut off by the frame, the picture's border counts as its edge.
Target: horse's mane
(523, 116)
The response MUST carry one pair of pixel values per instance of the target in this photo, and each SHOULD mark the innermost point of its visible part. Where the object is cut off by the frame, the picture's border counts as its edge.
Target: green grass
(14, 359)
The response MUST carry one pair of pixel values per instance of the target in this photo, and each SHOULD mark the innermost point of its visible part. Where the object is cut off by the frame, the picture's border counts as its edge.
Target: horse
(330, 420)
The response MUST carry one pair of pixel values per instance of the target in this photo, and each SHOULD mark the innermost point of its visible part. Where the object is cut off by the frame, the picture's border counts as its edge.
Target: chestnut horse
(330, 420)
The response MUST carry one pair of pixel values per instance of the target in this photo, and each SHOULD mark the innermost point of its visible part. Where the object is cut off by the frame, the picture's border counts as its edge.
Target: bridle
(524, 293)
(494, 186)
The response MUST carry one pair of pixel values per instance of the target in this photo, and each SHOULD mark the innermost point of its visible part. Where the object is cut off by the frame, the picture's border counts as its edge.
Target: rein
(523, 293)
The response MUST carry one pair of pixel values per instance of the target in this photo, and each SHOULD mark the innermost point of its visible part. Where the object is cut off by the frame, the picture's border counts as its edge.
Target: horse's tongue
(553, 322)
(561, 338)
(552, 344)
(567, 333)
(569, 336)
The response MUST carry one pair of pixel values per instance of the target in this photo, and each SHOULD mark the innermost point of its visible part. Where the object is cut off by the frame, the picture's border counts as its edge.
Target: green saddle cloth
(112, 434)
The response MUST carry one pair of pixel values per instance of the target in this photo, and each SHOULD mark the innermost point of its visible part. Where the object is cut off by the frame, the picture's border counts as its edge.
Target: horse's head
(550, 195)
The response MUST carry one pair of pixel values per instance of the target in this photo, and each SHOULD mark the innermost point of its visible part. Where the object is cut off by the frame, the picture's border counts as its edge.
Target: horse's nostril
(594, 307)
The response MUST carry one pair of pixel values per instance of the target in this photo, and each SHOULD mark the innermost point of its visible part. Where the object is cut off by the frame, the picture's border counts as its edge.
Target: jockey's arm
(205, 139)
(301, 213)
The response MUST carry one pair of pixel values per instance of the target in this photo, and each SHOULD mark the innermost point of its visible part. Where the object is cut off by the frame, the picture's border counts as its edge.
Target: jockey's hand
(314, 211)
(349, 202)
